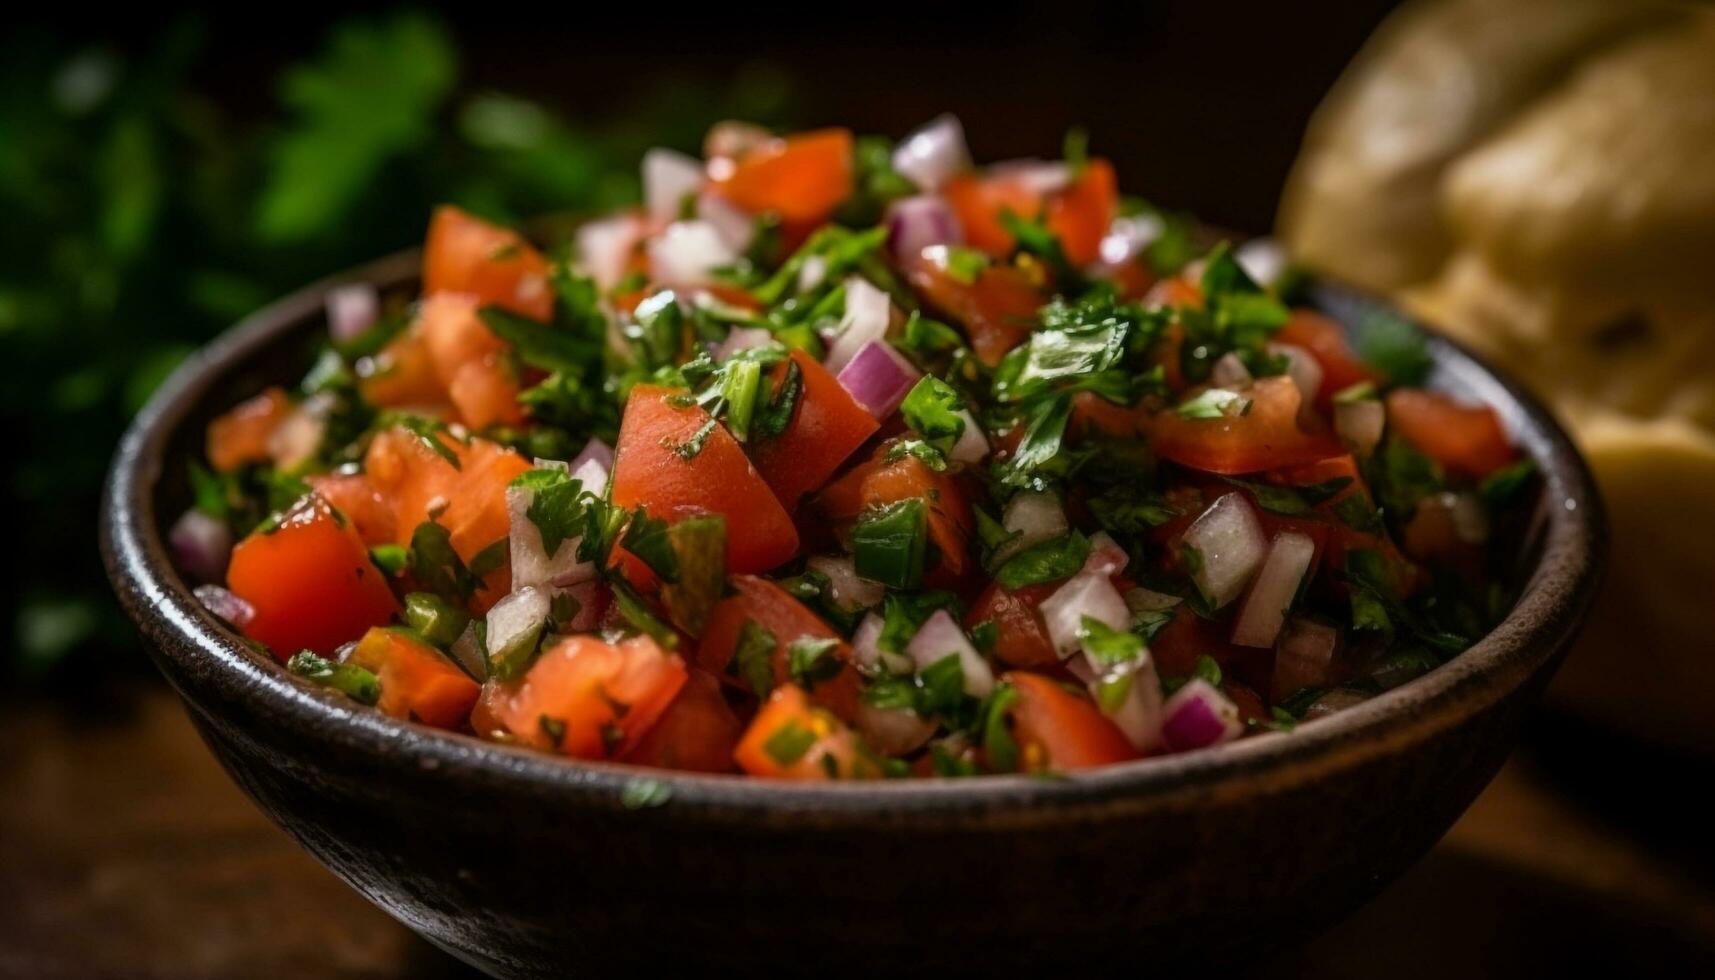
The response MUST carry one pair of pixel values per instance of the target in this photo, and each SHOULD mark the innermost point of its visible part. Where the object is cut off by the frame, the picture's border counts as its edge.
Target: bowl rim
(192, 646)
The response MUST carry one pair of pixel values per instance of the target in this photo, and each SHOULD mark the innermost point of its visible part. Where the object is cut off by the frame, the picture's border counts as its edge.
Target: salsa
(841, 459)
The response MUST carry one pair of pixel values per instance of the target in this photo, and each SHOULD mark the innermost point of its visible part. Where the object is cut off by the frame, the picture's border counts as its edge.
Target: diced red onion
(1303, 656)
(850, 591)
(868, 313)
(892, 731)
(201, 545)
(467, 651)
(867, 651)
(1229, 537)
(736, 228)
(1359, 424)
(352, 309)
(1034, 517)
(515, 616)
(1262, 259)
(531, 564)
(1304, 370)
(1264, 609)
(1128, 236)
(1106, 555)
(916, 223)
(1141, 599)
(596, 450)
(878, 378)
(1041, 177)
(742, 338)
(934, 154)
(1334, 702)
(224, 605)
(1198, 716)
(1138, 715)
(1229, 372)
(669, 177)
(685, 253)
(1082, 595)
(730, 138)
(972, 446)
(604, 247)
(941, 635)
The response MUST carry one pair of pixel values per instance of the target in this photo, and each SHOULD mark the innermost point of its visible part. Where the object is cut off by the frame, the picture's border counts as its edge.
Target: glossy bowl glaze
(527, 865)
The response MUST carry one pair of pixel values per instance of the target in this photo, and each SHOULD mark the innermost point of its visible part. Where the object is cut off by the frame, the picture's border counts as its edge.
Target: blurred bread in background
(1537, 177)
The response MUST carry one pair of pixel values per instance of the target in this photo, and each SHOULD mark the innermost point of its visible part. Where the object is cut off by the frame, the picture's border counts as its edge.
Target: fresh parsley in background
(145, 214)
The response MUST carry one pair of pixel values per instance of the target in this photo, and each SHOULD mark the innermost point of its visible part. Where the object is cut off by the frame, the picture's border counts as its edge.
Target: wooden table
(126, 852)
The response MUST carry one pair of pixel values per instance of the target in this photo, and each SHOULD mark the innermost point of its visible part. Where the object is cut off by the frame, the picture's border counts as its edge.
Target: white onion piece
(869, 311)
(892, 731)
(513, 618)
(811, 273)
(1140, 600)
(1304, 370)
(223, 604)
(1198, 716)
(1470, 521)
(1264, 609)
(1082, 595)
(604, 248)
(878, 378)
(1079, 666)
(1303, 656)
(352, 309)
(1138, 715)
(850, 591)
(1040, 177)
(917, 223)
(201, 545)
(593, 476)
(1128, 236)
(595, 449)
(1106, 555)
(1034, 517)
(934, 154)
(730, 138)
(1262, 259)
(736, 228)
(742, 338)
(867, 651)
(940, 636)
(466, 651)
(972, 446)
(1229, 372)
(686, 252)
(531, 564)
(299, 435)
(669, 178)
(1231, 542)
(1359, 424)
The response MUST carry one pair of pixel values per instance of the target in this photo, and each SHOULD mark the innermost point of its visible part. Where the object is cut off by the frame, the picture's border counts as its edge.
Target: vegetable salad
(842, 459)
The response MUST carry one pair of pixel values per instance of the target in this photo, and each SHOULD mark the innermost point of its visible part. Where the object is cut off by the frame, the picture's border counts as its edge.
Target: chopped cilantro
(1045, 561)
(888, 543)
(753, 657)
(355, 682)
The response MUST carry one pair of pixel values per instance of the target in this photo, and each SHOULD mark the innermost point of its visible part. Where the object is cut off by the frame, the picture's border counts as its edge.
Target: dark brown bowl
(527, 865)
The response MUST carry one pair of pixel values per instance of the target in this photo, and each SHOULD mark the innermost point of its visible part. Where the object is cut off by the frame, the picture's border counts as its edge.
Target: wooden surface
(126, 852)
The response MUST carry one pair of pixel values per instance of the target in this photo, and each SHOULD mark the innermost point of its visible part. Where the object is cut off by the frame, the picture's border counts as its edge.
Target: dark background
(163, 173)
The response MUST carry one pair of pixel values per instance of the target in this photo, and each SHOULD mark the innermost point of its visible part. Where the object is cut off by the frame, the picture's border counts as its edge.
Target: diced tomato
(1078, 214)
(790, 738)
(353, 495)
(1188, 636)
(877, 482)
(465, 254)
(241, 435)
(1133, 279)
(1326, 342)
(590, 699)
(1464, 439)
(403, 375)
(418, 682)
(760, 601)
(310, 581)
(827, 426)
(1250, 705)
(1093, 414)
(803, 178)
(649, 471)
(469, 360)
(997, 309)
(697, 733)
(1342, 467)
(1061, 731)
(1266, 437)
(1021, 638)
